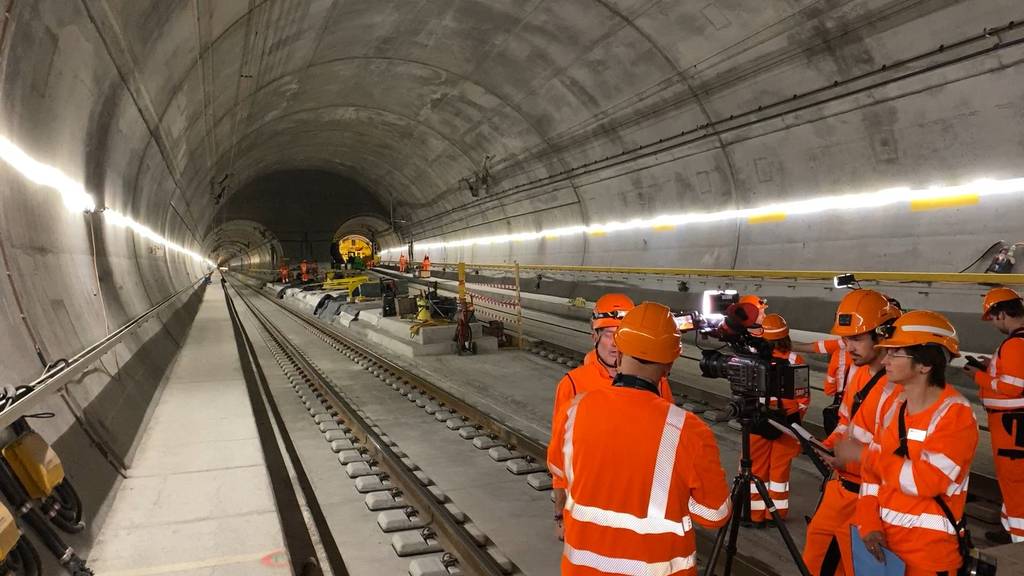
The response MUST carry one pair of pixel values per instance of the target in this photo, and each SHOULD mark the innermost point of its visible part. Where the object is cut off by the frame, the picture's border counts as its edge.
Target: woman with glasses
(915, 470)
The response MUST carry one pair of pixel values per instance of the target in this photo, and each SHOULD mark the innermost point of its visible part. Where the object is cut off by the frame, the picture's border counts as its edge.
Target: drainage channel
(522, 454)
(418, 514)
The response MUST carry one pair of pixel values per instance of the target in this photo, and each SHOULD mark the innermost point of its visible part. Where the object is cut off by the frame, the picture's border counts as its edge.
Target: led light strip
(929, 198)
(76, 199)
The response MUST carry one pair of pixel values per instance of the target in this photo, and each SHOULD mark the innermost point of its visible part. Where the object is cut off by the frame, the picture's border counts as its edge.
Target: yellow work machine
(32, 480)
(336, 281)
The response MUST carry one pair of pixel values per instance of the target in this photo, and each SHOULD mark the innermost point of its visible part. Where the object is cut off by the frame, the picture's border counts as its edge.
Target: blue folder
(865, 563)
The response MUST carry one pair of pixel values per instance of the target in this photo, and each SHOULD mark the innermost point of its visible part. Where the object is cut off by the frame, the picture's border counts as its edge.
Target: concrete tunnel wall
(184, 114)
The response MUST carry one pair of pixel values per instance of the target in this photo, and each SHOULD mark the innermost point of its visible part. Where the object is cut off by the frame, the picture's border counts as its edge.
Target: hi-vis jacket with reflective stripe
(1002, 387)
(898, 494)
(840, 365)
(639, 471)
(590, 375)
(865, 416)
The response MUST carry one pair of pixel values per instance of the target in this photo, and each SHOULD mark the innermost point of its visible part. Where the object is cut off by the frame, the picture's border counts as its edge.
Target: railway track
(522, 455)
(419, 515)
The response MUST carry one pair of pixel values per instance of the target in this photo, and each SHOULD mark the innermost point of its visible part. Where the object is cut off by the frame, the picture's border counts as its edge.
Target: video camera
(751, 369)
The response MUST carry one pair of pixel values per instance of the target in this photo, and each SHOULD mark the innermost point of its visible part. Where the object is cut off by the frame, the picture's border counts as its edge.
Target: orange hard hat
(774, 327)
(862, 311)
(609, 310)
(996, 296)
(918, 328)
(754, 299)
(649, 332)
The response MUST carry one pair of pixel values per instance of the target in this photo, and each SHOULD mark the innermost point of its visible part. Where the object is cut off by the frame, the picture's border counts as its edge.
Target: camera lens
(713, 364)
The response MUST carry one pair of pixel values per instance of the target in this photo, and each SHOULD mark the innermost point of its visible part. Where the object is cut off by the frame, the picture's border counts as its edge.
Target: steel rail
(453, 535)
(743, 565)
(55, 378)
(491, 424)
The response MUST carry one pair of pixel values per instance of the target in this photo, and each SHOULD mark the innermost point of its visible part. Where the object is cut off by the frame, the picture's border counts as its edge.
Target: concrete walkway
(198, 499)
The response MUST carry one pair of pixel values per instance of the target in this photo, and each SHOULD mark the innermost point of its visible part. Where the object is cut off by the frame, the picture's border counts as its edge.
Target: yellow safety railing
(864, 276)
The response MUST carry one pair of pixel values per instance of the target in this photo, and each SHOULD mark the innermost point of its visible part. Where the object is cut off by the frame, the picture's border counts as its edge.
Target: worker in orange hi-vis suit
(760, 303)
(916, 467)
(599, 367)
(304, 270)
(827, 550)
(840, 366)
(425, 266)
(403, 263)
(771, 451)
(840, 370)
(1001, 385)
(632, 498)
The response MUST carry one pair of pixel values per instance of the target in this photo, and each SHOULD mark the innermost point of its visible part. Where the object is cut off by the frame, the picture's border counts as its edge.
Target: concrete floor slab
(197, 500)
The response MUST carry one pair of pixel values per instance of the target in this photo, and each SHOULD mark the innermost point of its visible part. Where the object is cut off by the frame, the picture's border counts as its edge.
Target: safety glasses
(617, 314)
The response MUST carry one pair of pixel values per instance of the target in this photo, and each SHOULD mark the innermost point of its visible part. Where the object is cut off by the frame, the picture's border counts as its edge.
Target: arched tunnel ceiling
(407, 98)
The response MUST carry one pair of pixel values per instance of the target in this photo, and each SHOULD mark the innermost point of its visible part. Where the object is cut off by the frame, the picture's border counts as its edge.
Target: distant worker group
(632, 472)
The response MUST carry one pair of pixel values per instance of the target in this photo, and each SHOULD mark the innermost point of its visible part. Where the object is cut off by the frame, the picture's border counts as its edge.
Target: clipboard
(865, 563)
(802, 435)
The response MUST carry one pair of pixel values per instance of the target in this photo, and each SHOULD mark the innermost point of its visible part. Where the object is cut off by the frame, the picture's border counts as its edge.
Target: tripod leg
(736, 498)
(780, 525)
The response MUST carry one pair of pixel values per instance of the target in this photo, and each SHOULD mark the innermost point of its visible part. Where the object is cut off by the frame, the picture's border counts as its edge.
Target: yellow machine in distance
(36, 465)
(354, 243)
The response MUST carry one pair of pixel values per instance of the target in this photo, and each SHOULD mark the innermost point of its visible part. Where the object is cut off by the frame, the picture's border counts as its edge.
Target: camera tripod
(740, 497)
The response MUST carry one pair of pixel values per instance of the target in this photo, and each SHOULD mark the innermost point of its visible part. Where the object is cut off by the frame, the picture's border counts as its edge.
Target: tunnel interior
(146, 142)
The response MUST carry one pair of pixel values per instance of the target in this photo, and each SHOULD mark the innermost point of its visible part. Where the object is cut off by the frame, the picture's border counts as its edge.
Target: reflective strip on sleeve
(840, 429)
(821, 347)
(958, 487)
(1012, 380)
(844, 410)
(1003, 402)
(886, 392)
(867, 489)
(926, 521)
(709, 514)
(891, 413)
(907, 483)
(1014, 523)
(628, 566)
(555, 470)
(942, 462)
(861, 435)
(778, 486)
(666, 462)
